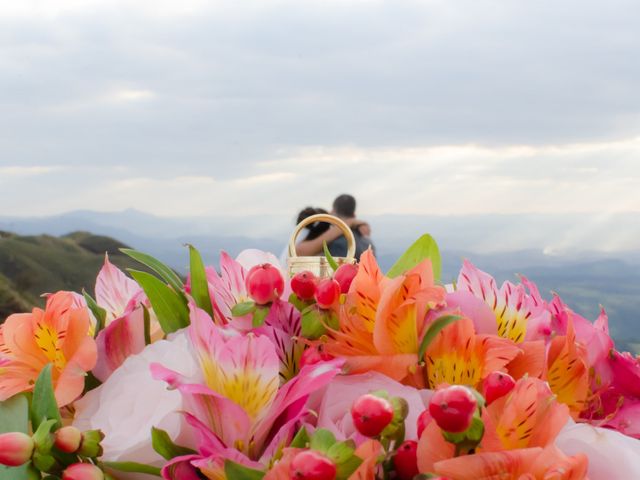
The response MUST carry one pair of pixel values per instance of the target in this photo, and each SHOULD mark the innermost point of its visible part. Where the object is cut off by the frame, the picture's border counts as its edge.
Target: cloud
(13, 171)
(418, 106)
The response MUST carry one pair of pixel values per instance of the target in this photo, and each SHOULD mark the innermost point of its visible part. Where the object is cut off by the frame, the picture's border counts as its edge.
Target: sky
(183, 108)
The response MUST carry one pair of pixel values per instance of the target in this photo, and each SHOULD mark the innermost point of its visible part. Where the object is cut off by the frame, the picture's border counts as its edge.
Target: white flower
(130, 402)
(612, 455)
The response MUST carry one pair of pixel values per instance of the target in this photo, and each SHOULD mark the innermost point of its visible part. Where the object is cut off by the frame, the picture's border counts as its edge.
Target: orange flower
(524, 464)
(529, 416)
(459, 356)
(518, 443)
(567, 371)
(56, 335)
(382, 320)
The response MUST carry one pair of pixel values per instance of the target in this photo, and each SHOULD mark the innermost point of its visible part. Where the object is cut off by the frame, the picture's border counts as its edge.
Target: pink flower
(519, 315)
(240, 408)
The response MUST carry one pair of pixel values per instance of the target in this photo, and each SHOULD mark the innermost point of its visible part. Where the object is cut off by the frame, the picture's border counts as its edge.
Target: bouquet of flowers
(244, 373)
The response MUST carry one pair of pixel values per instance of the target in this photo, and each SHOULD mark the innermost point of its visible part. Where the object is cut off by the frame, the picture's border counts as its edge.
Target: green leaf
(259, 315)
(311, 323)
(434, 329)
(157, 266)
(133, 467)
(243, 308)
(301, 440)
(322, 440)
(163, 444)
(332, 263)
(98, 312)
(240, 472)
(43, 404)
(298, 303)
(341, 452)
(14, 417)
(345, 470)
(423, 248)
(199, 284)
(170, 307)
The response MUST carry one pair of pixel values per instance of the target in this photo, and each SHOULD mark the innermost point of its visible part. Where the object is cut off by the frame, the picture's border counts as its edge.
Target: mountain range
(587, 262)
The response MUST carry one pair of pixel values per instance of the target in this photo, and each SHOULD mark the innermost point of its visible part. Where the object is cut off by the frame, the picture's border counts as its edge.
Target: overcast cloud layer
(194, 107)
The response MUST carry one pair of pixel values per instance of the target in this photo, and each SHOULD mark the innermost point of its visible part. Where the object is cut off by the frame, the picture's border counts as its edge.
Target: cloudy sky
(262, 106)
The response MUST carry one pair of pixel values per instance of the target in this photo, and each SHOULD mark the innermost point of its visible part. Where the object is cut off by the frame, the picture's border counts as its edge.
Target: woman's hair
(314, 229)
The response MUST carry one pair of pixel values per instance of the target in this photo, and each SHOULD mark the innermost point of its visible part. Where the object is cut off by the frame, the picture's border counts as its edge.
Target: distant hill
(33, 265)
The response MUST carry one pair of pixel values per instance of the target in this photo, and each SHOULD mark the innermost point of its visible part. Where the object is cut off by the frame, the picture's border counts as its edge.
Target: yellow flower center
(50, 342)
(512, 324)
(453, 369)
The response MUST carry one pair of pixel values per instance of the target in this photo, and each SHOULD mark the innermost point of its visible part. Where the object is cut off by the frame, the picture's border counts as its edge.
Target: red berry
(406, 460)
(264, 283)
(82, 471)
(313, 355)
(424, 419)
(453, 408)
(304, 284)
(497, 385)
(310, 465)
(67, 439)
(371, 414)
(344, 276)
(327, 293)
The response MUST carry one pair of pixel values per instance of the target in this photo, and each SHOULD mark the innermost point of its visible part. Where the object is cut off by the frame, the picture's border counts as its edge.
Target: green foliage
(133, 467)
(98, 312)
(240, 472)
(157, 266)
(436, 327)
(243, 308)
(43, 403)
(423, 248)
(332, 263)
(314, 322)
(199, 284)
(169, 306)
(163, 444)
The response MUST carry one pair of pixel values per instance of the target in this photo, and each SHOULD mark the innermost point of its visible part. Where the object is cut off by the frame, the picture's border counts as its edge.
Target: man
(344, 207)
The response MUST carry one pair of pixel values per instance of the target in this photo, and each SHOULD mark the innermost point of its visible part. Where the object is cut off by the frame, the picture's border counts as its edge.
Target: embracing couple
(344, 207)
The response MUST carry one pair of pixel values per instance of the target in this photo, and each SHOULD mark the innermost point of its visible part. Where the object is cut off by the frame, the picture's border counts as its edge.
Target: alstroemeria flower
(520, 430)
(123, 335)
(460, 356)
(228, 288)
(519, 315)
(383, 319)
(568, 371)
(59, 335)
(239, 404)
(529, 464)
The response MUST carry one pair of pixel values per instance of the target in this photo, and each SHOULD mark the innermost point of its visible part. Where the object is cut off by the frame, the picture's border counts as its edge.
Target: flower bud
(82, 471)
(67, 439)
(16, 449)
(90, 444)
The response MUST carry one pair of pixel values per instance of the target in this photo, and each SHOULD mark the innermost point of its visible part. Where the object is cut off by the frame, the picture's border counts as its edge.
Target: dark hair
(315, 229)
(345, 206)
